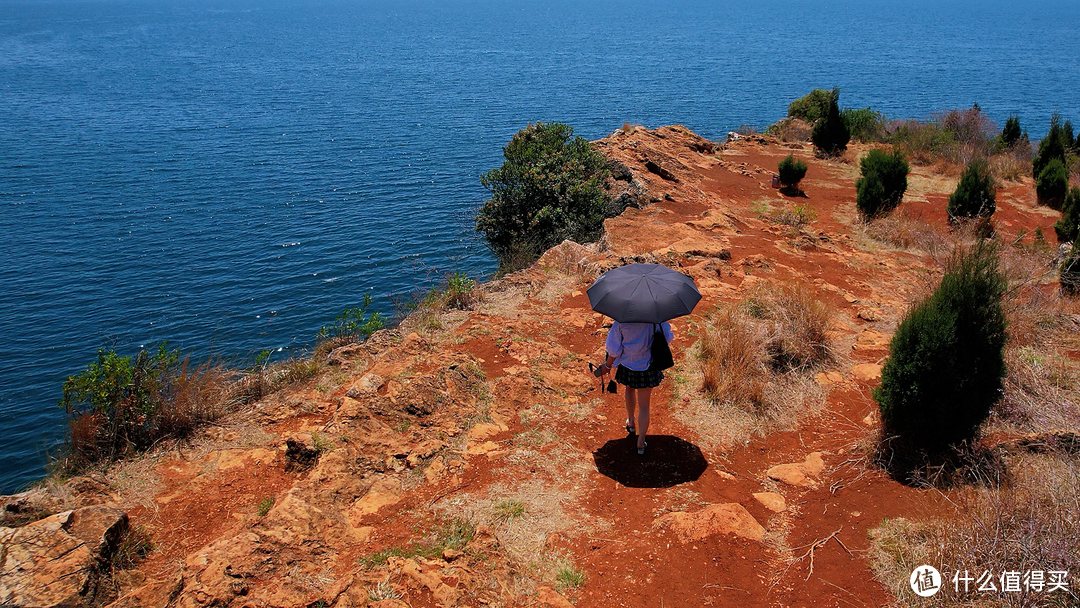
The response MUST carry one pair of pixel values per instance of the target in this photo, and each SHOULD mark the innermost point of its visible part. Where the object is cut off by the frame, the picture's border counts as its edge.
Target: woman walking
(628, 348)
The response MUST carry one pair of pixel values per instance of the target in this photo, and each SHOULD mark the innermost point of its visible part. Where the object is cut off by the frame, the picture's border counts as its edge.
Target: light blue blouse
(630, 343)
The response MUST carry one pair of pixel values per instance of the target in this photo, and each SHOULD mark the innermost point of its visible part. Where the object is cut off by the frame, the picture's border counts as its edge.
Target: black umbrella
(643, 293)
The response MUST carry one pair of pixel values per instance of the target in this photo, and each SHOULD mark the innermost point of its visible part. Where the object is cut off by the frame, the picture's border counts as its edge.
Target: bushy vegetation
(946, 366)
(811, 107)
(975, 195)
(883, 183)
(791, 171)
(830, 134)
(548, 189)
(352, 325)
(864, 125)
(1068, 227)
(1011, 133)
(1070, 270)
(1052, 184)
(120, 405)
(957, 136)
(1055, 146)
(117, 400)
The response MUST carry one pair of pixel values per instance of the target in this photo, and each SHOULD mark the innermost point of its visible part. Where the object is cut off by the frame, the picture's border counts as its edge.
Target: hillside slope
(467, 458)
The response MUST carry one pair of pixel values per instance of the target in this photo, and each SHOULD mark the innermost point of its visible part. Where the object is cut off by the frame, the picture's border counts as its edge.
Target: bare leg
(630, 402)
(643, 395)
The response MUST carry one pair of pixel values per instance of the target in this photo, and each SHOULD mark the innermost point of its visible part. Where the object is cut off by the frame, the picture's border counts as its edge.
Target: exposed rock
(25, 507)
(549, 597)
(385, 491)
(827, 378)
(800, 474)
(663, 172)
(151, 594)
(367, 384)
(619, 171)
(60, 560)
(343, 354)
(771, 501)
(728, 518)
(867, 372)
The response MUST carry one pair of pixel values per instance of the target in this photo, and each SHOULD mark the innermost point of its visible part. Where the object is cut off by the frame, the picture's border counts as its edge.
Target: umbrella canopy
(643, 293)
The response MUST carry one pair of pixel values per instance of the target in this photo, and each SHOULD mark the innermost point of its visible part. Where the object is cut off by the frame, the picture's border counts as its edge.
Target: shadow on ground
(668, 461)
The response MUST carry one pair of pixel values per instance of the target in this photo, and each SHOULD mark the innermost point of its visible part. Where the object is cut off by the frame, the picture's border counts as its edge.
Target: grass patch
(454, 534)
(383, 591)
(133, 548)
(508, 510)
(320, 444)
(264, 506)
(569, 577)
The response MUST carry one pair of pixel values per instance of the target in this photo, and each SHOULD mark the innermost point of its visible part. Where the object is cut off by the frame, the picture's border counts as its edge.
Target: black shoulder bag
(661, 352)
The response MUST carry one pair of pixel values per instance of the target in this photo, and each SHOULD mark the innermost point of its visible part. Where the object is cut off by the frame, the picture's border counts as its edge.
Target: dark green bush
(1053, 146)
(791, 171)
(1052, 184)
(811, 107)
(864, 125)
(883, 183)
(1068, 227)
(549, 188)
(946, 365)
(1011, 133)
(1070, 271)
(975, 194)
(830, 134)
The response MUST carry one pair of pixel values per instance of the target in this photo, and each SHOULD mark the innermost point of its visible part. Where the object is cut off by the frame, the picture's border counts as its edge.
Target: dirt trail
(489, 416)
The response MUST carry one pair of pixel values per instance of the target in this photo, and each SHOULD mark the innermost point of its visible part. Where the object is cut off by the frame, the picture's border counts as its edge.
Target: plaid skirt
(634, 379)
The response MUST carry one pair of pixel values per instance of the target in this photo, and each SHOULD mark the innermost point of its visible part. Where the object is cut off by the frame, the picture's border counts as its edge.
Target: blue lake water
(229, 175)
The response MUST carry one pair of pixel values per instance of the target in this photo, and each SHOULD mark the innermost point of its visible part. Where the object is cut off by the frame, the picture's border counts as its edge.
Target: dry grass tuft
(796, 325)
(1031, 521)
(732, 359)
(906, 232)
(791, 129)
(753, 362)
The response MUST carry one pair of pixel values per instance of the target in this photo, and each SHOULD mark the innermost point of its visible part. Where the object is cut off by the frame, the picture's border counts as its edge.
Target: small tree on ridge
(883, 183)
(975, 195)
(831, 134)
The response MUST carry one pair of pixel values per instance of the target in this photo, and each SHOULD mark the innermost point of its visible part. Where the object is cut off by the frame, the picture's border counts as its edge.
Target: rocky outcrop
(62, 560)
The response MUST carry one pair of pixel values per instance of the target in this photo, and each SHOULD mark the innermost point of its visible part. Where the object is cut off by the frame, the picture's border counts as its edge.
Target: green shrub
(352, 325)
(1052, 184)
(946, 365)
(1068, 227)
(115, 405)
(830, 134)
(864, 125)
(549, 188)
(1053, 146)
(883, 183)
(459, 291)
(1011, 133)
(975, 194)
(791, 171)
(1070, 270)
(811, 107)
